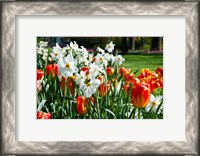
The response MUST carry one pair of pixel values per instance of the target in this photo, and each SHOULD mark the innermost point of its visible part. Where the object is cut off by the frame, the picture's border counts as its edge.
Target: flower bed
(73, 83)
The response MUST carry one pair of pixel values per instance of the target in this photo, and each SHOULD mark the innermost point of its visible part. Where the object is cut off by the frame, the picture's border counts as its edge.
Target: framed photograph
(99, 77)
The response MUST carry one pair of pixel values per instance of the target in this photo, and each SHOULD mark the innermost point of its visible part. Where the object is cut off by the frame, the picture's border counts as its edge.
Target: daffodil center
(88, 84)
(67, 65)
(56, 53)
(154, 103)
(101, 59)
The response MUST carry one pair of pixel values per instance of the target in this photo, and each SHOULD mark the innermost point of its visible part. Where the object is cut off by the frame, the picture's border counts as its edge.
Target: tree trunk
(124, 46)
(142, 42)
(132, 43)
(155, 43)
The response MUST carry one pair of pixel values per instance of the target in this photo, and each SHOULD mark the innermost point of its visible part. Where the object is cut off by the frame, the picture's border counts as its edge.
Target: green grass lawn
(140, 61)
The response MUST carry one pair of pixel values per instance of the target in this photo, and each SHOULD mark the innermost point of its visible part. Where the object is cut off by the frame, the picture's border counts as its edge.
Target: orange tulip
(43, 115)
(129, 77)
(159, 71)
(70, 85)
(63, 82)
(110, 71)
(121, 70)
(140, 95)
(101, 78)
(103, 89)
(52, 69)
(40, 74)
(81, 104)
(85, 69)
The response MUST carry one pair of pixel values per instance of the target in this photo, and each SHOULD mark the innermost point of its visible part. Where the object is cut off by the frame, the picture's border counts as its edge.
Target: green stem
(139, 113)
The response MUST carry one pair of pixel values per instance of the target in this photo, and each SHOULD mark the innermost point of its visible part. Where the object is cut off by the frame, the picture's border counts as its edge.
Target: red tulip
(126, 73)
(63, 82)
(144, 73)
(129, 77)
(121, 70)
(140, 95)
(126, 88)
(82, 104)
(110, 71)
(70, 85)
(85, 69)
(101, 78)
(103, 89)
(43, 115)
(159, 71)
(52, 69)
(40, 74)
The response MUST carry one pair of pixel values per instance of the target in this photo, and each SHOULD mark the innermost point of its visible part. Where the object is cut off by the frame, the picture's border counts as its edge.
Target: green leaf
(41, 105)
(109, 111)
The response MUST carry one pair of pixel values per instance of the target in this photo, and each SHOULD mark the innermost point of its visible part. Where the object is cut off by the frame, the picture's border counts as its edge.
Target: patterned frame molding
(10, 10)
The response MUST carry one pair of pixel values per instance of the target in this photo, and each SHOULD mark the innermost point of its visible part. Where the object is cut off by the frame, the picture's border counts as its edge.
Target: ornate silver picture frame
(11, 9)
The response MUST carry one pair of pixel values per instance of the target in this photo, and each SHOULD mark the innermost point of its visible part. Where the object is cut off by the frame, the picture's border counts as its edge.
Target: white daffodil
(45, 54)
(80, 78)
(65, 49)
(43, 44)
(112, 58)
(101, 50)
(95, 69)
(100, 59)
(84, 51)
(106, 56)
(67, 66)
(56, 52)
(90, 87)
(74, 45)
(154, 102)
(119, 59)
(110, 47)
(39, 50)
(91, 56)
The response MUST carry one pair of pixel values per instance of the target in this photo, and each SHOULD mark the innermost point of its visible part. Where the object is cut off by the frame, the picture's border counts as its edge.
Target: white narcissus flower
(154, 102)
(74, 45)
(100, 59)
(84, 51)
(67, 66)
(65, 49)
(45, 54)
(42, 51)
(119, 59)
(112, 58)
(95, 69)
(80, 78)
(90, 87)
(106, 57)
(43, 44)
(101, 50)
(110, 47)
(56, 52)
(91, 56)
